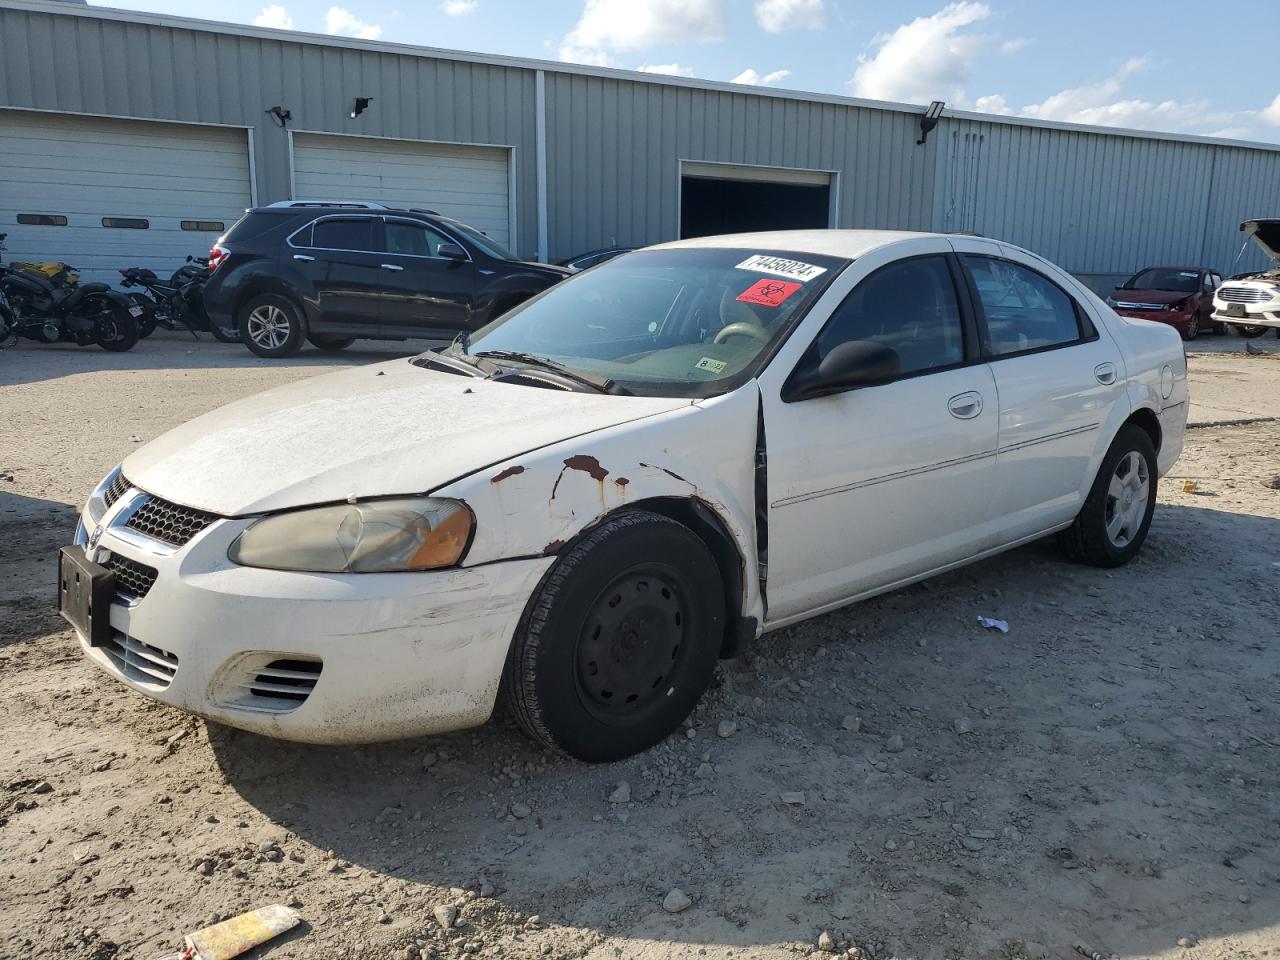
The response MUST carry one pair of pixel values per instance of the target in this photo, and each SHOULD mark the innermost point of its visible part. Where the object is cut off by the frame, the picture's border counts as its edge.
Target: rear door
(1057, 377)
(423, 292)
(341, 256)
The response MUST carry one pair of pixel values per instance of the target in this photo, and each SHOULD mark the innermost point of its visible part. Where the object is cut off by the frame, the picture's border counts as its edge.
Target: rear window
(253, 225)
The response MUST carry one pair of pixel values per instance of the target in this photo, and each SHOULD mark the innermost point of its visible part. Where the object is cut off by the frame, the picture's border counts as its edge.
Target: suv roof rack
(433, 213)
(350, 204)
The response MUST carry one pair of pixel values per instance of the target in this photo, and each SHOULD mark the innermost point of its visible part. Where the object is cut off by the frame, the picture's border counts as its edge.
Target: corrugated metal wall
(82, 64)
(614, 150)
(1096, 203)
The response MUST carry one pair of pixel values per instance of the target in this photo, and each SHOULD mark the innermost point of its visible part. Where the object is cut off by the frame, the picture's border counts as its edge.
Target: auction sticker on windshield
(782, 267)
(769, 293)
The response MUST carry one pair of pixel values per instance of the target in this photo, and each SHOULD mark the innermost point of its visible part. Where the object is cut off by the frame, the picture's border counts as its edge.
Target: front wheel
(271, 326)
(619, 641)
(1192, 329)
(1115, 518)
(1249, 331)
(329, 342)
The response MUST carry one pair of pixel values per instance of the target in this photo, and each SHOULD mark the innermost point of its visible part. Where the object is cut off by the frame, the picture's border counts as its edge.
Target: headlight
(1180, 305)
(379, 536)
(97, 505)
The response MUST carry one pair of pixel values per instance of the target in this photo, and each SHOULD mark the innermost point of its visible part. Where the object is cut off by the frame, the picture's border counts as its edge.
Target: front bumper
(1253, 316)
(1180, 321)
(318, 658)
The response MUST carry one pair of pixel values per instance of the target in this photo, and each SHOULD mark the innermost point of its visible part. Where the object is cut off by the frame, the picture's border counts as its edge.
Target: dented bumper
(317, 658)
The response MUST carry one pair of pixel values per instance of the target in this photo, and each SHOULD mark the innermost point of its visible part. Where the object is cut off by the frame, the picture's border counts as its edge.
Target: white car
(1250, 304)
(619, 482)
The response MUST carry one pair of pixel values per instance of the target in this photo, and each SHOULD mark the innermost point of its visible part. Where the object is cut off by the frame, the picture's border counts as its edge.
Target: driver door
(873, 486)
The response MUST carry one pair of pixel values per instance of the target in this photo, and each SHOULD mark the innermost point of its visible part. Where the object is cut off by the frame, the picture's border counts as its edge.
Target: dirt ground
(1105, 775)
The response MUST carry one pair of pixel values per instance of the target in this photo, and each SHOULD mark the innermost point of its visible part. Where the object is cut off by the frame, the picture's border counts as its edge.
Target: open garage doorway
(728, 198)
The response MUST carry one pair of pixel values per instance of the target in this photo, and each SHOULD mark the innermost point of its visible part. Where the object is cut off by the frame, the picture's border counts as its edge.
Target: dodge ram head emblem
(95, 537)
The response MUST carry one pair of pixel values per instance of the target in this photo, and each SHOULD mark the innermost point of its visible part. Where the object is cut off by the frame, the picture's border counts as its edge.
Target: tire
(275, 322)
(601, 624)
(1111, 527)
(1193, 328)
(117, 334)
(1249, 331)
(327, 342)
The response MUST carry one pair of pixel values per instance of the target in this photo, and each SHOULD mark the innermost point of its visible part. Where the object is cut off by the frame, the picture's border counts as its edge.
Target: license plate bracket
(1235, 309)
(85, 592)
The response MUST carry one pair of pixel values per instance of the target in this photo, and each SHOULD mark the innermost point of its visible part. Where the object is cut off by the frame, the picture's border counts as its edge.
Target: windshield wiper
(458, 362)
(594, 381)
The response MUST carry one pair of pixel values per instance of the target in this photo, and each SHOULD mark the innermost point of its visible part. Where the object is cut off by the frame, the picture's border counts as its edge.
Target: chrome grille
(118, 487)
(283, 685)
(1129, 305)
(1245, 294)
(141, 662)
(133, 579)
(169, 522)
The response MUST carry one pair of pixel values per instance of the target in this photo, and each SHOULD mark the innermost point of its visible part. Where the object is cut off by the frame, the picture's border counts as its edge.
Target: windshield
(676, 322)
(1160, 278)
(486, 243)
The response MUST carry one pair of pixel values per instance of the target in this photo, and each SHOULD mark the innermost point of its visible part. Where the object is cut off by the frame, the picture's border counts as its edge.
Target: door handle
(303, 258)
(1105, 373)
(965, 406)
(393, 267)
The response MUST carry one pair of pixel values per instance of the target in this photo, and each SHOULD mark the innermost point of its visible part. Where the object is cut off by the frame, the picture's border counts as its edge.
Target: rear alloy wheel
(1250, 331)
(271, 326)
(1116, 516)
(115, 329)
(322, 341)
(619, 641)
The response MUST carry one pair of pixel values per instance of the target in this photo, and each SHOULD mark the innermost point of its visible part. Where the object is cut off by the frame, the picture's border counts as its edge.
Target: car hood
(1138, 295)
(1266, 234)
(384, 429)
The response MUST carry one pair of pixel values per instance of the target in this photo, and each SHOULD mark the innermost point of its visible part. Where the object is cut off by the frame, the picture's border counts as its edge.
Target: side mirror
(847, 366)
(451, 251)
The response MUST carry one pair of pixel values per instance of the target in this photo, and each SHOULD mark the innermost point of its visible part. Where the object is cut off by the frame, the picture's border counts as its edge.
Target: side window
(412, 239)
(1215, 281)
(1024, 310)
(910, 306)
(355, 233)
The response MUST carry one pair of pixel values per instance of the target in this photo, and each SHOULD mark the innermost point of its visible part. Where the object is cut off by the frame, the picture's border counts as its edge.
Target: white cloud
(926, 59)
(779, 15)
(346, 24)
(611, 26)
(1104, 104)
(669, 69)
(1272, 113)
(274, 16)
(458, 8)
(1014, 45)
(750, 77)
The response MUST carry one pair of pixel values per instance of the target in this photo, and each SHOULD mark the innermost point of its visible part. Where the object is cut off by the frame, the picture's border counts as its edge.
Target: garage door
(103, 194)
(469, 183)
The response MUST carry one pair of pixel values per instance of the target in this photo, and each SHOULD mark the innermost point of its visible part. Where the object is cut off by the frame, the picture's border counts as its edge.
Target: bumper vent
(1244, 294)
(141, 662)
(283, 685)
(133, 579)
(169, 522)
(115, 490)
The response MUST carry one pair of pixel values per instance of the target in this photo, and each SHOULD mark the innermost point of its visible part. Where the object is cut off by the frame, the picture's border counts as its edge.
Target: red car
(1179, 296)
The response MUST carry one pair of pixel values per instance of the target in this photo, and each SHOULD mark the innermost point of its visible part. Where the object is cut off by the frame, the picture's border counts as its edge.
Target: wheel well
(708, 527)
(1149, 422)
(265, 285)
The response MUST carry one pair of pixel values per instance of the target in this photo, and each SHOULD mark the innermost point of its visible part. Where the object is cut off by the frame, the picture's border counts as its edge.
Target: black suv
(334, 272)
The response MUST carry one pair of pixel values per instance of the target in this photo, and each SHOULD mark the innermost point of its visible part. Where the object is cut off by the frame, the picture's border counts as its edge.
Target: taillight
(217, 255)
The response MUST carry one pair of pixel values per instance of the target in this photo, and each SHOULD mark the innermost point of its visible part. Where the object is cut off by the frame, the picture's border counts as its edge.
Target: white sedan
(592, 499)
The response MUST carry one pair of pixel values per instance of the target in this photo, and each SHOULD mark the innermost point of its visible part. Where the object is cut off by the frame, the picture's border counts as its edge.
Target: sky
(1173, 65)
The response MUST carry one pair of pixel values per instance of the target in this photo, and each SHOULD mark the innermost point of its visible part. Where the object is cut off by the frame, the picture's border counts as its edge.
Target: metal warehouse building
(134, 138)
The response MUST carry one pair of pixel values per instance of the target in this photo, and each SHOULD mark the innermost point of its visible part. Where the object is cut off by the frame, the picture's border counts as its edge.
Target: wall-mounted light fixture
(282, 115)
(360, 105)
(930, 120)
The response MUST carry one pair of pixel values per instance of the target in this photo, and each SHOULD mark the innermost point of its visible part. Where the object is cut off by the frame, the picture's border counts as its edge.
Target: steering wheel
(742, 329)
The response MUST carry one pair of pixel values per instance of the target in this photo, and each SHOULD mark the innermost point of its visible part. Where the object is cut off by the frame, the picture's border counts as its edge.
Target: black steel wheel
(114, 328)
(620, 639)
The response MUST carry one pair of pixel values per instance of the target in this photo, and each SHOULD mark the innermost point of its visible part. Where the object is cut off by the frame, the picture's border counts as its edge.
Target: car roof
(834, 243)
(1164, 266)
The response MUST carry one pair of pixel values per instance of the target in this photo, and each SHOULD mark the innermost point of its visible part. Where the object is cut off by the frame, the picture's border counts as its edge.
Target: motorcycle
(178, 305)
(46, 302)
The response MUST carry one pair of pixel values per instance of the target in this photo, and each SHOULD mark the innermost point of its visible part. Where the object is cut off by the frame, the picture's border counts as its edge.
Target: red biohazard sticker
(769, 293)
